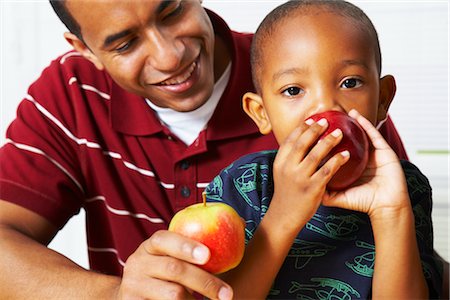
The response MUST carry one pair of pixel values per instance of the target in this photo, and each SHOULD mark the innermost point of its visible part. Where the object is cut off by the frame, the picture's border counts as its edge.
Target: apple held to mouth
(354, 140)
(216, 225)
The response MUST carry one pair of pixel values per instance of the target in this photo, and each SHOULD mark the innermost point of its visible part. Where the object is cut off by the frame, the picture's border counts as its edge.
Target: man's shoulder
(68, 72)
(71, 66)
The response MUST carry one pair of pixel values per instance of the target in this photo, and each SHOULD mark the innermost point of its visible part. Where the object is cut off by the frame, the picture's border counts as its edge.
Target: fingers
(172, 244)
(320, 151)
(374, 135)
(298, 143)
(307, 150)
(173, 279)
(154, 288)
(165, 267)
(327, 170)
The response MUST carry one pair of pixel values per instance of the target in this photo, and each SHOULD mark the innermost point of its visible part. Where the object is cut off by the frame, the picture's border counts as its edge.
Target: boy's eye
(292, 91)
(351, 83)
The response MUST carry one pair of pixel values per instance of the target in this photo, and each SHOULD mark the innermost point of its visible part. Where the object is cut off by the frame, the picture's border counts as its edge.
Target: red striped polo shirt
(81, 142)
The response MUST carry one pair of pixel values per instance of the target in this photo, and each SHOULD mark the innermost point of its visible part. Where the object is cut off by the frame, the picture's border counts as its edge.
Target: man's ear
(81, 47)
(387, 93)
(253, 106)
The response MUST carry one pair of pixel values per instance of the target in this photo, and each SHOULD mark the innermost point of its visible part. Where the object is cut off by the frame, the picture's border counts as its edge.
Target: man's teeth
(182, 78)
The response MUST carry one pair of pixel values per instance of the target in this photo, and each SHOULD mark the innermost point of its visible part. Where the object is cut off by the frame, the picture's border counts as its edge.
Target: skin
(165, 51)
(155, 49)
(336, 70)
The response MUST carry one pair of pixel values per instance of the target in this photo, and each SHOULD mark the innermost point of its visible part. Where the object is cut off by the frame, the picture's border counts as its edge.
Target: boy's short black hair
(303, 7)
(60, 8)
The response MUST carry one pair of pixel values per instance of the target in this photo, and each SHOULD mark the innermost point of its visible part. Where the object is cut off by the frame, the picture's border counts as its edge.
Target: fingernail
(200, 254)
(345, 153)
(225, 293)
(353, 112)
(322, 122)
(337, 132)
(309, 122)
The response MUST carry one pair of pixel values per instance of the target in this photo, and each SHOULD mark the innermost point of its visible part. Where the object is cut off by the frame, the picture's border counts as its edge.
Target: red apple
(216, 225)
(354, 140)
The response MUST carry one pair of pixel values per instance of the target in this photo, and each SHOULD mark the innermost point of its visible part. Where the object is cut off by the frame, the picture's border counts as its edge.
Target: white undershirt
(188, 125)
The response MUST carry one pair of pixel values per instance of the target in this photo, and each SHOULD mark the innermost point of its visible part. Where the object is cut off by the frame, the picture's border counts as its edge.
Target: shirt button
(185, 192)
(185, 164)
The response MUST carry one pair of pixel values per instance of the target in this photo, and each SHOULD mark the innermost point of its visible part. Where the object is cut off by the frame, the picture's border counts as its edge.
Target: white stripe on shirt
(109, 250)
(90, 88)
(94, 145)
(122, 212)
(39, 151)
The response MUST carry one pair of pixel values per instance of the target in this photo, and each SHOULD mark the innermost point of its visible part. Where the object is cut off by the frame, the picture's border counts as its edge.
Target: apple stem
(204, 198)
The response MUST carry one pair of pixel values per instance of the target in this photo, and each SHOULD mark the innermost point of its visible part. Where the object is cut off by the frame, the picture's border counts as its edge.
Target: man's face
(315, 63)
(161, 50)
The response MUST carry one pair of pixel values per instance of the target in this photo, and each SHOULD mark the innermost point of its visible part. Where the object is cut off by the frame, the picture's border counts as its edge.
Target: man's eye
(351, 83)
(292, 91)
(124, 46)
(176, 11)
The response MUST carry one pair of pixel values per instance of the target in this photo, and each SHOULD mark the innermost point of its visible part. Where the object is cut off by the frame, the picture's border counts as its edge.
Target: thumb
(335, 199)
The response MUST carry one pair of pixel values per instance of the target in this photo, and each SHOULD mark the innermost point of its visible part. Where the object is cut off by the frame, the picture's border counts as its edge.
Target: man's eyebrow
(115, 36)
(163, 5)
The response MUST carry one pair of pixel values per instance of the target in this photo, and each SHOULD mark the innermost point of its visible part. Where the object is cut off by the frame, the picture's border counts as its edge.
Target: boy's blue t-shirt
(333, 256)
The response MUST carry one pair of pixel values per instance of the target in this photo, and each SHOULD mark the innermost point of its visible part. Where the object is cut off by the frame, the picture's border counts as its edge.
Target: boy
(308, 57)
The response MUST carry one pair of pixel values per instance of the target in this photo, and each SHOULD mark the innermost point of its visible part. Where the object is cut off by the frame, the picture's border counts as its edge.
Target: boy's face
(159, 49)
(315, 63)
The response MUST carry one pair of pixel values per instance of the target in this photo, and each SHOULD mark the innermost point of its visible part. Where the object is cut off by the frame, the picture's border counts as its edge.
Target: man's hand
(165, 267)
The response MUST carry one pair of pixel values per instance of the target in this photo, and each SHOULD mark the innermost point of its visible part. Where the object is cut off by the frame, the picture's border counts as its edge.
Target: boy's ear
(387, 93)
(81, 47)
(253, 106)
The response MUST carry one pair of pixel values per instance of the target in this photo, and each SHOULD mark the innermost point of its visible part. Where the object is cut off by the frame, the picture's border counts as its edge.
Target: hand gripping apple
(354, 140)
(217, 226)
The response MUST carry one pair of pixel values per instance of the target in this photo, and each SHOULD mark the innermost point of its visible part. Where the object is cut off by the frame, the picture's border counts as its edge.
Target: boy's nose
(325, 103)
(165, 52)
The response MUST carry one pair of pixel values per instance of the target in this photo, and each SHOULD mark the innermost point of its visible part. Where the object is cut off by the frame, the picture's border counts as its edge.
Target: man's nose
(165, 52)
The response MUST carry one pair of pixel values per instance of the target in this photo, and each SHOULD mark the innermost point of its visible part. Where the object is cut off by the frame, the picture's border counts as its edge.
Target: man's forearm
(32, 271)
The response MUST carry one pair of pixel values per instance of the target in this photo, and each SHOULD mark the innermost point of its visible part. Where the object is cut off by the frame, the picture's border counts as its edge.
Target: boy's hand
(299, 183)
(382, 187)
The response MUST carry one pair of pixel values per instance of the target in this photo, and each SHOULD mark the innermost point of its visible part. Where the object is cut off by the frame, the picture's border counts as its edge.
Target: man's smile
(182, 77)
(183, 81)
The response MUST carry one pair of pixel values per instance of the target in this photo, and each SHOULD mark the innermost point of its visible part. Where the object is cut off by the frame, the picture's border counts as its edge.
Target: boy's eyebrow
(289, 71)
(355, 62)
(118, 35)
(296, 71)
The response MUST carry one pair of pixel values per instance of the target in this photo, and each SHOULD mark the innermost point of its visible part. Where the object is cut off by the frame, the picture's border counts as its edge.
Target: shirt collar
(130, 113)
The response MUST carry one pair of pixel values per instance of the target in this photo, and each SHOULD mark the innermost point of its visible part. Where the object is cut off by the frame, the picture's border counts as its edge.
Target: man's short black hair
(303, 7)
(59, 6)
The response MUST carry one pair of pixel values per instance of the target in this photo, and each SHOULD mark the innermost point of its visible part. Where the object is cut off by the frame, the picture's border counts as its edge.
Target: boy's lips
(182, 81)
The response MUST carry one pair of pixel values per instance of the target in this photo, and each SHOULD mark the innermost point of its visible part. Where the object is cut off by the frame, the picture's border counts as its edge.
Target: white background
(414, 39)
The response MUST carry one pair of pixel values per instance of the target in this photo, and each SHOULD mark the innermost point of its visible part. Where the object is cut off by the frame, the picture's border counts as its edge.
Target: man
(130, 127)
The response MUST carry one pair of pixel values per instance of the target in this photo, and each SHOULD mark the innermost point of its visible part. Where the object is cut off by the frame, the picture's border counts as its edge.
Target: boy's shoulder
(418, 184)
(265, 157)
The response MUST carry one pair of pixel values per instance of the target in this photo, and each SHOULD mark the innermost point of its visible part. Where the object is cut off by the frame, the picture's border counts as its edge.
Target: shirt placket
(186, 191)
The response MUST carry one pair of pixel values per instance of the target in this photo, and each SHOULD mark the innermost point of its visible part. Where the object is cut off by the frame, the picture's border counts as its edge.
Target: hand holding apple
(217, 226)
(354, 140)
